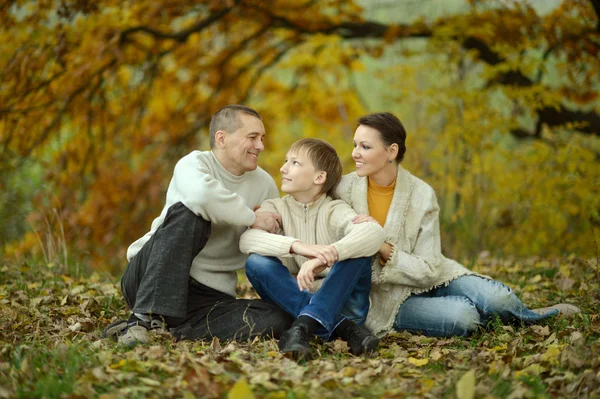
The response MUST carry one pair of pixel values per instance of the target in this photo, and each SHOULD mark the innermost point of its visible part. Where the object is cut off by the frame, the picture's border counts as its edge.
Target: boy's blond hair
(325, 158)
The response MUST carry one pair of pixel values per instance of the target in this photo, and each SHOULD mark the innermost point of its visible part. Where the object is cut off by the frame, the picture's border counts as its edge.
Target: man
(182, 274)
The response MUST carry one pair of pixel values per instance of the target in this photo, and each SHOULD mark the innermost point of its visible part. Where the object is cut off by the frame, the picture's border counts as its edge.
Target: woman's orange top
(380, 199)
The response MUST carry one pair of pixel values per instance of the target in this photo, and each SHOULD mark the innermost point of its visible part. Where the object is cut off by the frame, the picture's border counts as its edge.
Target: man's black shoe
(360, 340)
(295, 341)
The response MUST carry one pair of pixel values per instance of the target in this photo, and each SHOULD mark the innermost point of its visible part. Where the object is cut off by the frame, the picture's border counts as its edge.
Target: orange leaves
(580, 97)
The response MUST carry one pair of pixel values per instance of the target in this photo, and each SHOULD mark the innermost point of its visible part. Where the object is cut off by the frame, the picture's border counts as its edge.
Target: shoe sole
(113, 329)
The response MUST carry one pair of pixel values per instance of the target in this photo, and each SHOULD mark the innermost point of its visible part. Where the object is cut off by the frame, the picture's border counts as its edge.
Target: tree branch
(238, 48)
(556, 117)
(178, 36)
(551, 116)
(596, 5)
(263, 68)
(30, 91)
(57, 118)
(346, 30)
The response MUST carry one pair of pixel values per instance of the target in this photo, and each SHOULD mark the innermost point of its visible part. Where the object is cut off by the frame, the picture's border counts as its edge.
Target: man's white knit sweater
(323, 222)
(205, 187)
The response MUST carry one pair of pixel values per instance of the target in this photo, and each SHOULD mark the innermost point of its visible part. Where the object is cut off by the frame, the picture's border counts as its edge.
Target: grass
(50, 325)
(49, 373)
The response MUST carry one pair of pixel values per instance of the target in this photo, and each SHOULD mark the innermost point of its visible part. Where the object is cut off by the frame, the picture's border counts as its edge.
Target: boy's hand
(327, 254)
(307, 274)
(268, 221)
(363, 218)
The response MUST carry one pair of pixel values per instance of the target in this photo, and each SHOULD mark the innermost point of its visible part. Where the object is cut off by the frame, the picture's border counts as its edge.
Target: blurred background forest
(99, 99)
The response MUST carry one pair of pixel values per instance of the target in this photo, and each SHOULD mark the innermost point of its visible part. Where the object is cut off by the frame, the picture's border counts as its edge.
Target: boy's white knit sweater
(205, 187)
(323, 222)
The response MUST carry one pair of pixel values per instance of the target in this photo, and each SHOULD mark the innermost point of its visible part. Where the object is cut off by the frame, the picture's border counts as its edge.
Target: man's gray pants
(157, 282)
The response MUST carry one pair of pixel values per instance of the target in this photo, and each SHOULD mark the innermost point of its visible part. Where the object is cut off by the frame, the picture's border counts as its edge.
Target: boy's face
(299, 176)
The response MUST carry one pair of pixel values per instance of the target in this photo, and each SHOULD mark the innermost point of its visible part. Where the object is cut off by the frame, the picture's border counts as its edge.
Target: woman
(414, 287)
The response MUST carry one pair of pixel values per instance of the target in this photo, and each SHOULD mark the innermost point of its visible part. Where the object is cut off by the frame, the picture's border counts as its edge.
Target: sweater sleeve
(421, 267)
(206, 196)
(354, 240)
(342, 191)
(264, 243)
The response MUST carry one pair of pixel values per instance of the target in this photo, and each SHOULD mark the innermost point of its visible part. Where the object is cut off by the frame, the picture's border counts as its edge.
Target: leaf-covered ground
(50, 347)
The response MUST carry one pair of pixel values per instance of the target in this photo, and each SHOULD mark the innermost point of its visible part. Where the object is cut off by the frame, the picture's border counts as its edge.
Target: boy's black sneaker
(295, 341)
(360, 340)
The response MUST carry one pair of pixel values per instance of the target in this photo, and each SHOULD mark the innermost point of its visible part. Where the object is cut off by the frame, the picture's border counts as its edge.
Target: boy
(317, 236)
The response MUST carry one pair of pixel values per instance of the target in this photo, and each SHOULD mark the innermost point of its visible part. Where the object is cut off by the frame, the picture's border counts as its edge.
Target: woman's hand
(307, 274)
(363, 219)
(385, 251)
(327, 254)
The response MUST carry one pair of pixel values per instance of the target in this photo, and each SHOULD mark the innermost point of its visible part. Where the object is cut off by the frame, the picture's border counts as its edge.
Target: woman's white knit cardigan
(412, 228)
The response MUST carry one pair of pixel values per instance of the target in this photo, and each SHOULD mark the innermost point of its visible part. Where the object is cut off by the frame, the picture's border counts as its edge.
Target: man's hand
(327, 254)
(268, 221)
(385, 251)
(363, 218)
(307, 274)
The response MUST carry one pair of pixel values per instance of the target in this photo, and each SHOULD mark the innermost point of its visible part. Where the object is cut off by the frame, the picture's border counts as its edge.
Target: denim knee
(257, 266)
(464, 319)
(501, 293)
(364, 263)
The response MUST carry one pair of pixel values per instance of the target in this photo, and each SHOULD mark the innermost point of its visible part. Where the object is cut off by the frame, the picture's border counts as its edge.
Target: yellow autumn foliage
(99, 100)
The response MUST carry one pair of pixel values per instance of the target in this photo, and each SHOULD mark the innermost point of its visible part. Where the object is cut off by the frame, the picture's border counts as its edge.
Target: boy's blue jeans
(459, 308)
(344, 293)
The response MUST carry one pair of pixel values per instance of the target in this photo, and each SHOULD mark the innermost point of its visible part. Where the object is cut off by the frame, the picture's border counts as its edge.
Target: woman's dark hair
(390, 128)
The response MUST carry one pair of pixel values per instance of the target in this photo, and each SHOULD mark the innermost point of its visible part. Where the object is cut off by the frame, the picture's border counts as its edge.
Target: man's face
(242, 147)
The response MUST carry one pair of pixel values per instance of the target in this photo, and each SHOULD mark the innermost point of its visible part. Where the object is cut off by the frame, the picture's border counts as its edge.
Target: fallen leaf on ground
(465, 387)
(418, 362)
(240, 390)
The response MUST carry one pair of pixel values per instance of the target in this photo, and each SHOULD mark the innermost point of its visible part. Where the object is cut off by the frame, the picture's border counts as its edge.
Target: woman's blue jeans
(343, 294)
(459, 308)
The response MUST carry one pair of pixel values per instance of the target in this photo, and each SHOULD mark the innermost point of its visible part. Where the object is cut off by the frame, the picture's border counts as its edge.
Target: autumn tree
(99, 99)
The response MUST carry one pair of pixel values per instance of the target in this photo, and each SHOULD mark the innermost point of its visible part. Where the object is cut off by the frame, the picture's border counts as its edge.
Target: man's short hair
(226, 119)
(325, 158)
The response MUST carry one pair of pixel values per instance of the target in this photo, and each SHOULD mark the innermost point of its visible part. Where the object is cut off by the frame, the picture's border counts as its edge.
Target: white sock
(143, 317)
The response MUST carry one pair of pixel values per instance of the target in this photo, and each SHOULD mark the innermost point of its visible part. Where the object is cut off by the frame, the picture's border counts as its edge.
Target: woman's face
(370, 153)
